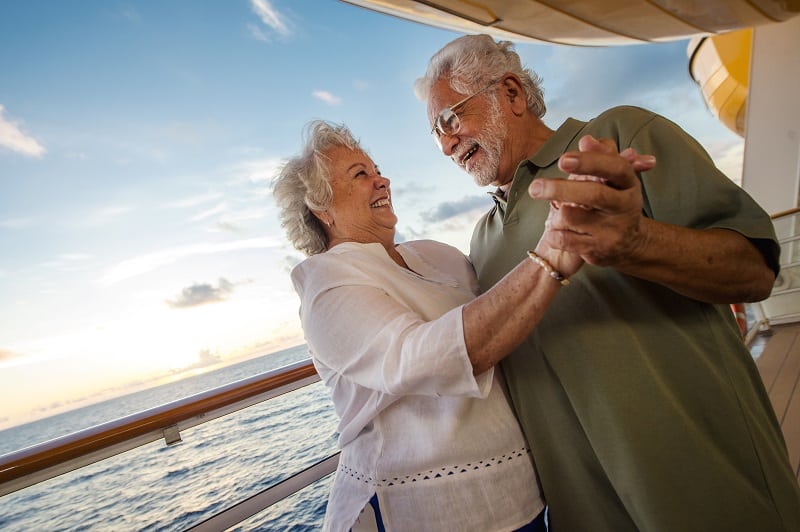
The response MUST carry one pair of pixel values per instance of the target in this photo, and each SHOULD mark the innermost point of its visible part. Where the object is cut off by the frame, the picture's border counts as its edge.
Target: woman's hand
(564, 262)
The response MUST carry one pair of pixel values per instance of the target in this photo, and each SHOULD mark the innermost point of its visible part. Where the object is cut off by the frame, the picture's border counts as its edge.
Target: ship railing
(783, 304)
(35, 464)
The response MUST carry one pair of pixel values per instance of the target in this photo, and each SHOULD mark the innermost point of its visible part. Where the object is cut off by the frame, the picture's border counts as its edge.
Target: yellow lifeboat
(720, 64)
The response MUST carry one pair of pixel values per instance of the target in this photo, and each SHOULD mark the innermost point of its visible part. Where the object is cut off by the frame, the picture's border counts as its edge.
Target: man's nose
(447, 143)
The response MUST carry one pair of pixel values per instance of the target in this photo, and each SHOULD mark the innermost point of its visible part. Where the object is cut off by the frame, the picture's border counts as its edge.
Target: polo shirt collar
(556, 145)
(498, 197)
(546, 155)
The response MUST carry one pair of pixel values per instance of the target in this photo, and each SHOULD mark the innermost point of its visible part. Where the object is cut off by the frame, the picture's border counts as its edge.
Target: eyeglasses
(448, 122)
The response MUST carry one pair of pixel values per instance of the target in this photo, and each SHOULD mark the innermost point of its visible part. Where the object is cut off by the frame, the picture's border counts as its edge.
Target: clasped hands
(596, 213)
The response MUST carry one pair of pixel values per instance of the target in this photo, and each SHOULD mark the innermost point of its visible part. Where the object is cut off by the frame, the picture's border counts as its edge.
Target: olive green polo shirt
(643, 408)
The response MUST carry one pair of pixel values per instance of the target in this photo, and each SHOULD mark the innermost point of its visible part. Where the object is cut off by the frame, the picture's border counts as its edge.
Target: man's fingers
(587, 144)
(595, 173)
(617, 171)
(603, 145)
(600, 158)
(640, 163)
(586, 194)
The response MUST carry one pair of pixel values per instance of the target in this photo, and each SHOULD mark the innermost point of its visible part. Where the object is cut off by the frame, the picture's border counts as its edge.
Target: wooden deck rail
(787, 212)
(46, 460)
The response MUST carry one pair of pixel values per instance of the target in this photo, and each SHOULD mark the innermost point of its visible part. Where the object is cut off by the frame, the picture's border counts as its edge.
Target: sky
(139, 241)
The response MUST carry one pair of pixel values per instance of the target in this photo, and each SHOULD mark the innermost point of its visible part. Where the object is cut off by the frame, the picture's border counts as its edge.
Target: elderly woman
(397, 333)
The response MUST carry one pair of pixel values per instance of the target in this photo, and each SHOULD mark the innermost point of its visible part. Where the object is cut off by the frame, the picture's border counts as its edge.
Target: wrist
(545, 264)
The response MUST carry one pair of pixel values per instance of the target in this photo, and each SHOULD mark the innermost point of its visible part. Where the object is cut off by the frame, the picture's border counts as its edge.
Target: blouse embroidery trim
(433, 473)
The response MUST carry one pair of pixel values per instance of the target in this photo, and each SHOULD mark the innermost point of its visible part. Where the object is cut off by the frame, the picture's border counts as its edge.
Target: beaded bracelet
(541, 261)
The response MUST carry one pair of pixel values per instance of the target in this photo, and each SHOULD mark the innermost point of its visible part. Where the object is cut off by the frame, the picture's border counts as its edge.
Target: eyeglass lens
(447, 122)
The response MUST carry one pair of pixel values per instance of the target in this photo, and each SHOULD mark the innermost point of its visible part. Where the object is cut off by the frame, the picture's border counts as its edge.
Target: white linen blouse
(441, 448)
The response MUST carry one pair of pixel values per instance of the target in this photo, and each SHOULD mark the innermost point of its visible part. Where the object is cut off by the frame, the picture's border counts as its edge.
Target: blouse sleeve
(354, 327)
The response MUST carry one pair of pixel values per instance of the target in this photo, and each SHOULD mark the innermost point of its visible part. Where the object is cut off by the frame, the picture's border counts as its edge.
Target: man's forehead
(442, 86)
(441, 95)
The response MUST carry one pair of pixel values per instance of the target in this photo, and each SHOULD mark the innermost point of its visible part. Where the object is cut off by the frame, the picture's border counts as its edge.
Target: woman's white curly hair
(303, 185)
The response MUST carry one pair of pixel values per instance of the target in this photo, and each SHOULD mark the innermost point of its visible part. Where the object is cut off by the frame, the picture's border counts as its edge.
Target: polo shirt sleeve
(686, 188)
(355, 328)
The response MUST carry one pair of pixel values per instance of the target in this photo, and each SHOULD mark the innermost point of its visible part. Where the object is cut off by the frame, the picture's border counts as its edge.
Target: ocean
(219, 463)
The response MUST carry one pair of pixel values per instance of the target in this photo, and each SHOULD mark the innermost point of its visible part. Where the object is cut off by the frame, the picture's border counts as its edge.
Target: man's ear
(513, 93)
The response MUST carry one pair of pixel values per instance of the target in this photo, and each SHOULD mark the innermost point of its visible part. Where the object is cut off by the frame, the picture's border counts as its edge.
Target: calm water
(219, 463)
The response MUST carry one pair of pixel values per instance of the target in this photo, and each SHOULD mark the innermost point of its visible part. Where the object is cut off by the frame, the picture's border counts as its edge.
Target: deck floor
(779, 365)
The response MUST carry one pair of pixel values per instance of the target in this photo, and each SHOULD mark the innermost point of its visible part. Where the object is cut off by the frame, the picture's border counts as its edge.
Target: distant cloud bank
(202, 294)
(450, 209)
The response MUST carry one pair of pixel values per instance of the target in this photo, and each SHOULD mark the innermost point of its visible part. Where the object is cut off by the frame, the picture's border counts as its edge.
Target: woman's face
(361, 209)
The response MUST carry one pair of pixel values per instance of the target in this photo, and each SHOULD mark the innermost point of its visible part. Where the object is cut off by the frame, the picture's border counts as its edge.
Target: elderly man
(643, 408)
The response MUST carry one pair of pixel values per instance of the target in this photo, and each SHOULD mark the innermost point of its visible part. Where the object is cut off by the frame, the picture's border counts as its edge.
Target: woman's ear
(323, 217)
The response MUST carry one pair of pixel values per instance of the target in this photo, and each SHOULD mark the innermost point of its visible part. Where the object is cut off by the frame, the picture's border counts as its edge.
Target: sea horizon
(116, 392)
(64, 422)
(219, 463)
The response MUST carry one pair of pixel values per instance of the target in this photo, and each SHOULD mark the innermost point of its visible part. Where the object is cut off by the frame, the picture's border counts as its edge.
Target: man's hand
(597, 211)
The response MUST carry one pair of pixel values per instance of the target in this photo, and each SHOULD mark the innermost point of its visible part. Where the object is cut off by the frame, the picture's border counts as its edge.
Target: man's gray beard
(491, 142)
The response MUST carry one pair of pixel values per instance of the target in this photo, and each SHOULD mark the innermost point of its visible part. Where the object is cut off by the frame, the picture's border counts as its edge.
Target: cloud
(228, 215)
(208, 213)
(192, 201)
(270, 17)
(113, 211)
(257, 170)
(202, 294)
(14, 139)
(290, 261)
(451, 209)
(68, 262)
(729, 156)
(228, 226)
(257, 33)
(73, 256)
(7, 354)
(152, 261)
(327, 97)
(206, 358)
(105, 215)
(236, 219)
